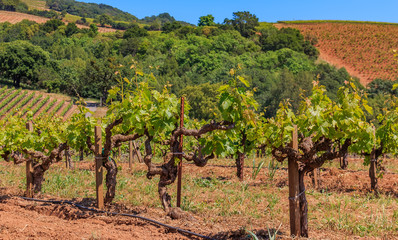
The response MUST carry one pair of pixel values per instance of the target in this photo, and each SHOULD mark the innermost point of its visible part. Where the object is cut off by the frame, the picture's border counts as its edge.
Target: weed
(251, 234)
(273, 235)
(256, 170)
(272, 167)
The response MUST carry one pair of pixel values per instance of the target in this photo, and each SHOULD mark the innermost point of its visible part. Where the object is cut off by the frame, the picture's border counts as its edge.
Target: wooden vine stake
(130, 154)
(81, 154)
(98, 167)
(294, 207)
(29, 169)
(137, 152)
(180, 156)
(119, 153)
(373, 166)
(68, 159)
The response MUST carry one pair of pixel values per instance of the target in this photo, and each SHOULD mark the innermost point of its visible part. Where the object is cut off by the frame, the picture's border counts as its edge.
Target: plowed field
(365, 50)
(16, 17)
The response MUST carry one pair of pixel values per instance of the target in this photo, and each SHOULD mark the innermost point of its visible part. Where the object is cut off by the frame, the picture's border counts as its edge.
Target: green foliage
(135, 31)
(236, 105)
(162, 17)
(13, 5)
(23, 30)
(51, 25)
(83, 62)
(380, 86)
(18, 138)
(386, 134)
(203, 100)
(104, 19)
(21, 60)
(207, 20)
(90, 10)
(71, 29)
(171, 26)
(319, 117)
(244, 22)
(288, 38)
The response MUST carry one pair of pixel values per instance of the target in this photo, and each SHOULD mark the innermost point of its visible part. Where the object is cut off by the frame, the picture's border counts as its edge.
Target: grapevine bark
(168, 170)
(311, 155)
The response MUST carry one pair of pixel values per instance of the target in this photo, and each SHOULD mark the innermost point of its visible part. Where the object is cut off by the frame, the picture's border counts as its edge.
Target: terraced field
(18, 101)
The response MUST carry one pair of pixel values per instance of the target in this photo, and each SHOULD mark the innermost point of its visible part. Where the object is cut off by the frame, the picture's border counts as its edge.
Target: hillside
(14, 101)
(91, 10)
(364, 49)
(16, 17)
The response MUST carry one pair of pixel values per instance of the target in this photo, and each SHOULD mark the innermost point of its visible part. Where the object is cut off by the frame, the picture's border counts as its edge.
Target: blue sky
(269, 11)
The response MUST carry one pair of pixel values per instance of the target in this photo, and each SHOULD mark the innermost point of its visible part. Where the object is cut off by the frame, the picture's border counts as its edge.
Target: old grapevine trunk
(303, 206)
(373, 175)
(374, 156)
(240, 162)
(344, 161)
(110, 180)
(38, 177)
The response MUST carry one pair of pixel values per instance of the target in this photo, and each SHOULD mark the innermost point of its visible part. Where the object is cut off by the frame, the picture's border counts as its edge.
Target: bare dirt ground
(365, 50)
(335, 61)
(22, 219)
(16, 17)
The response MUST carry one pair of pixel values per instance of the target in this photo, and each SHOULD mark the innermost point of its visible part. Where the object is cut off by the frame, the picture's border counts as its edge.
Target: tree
(93, 30)
(99, 77)
(135, 31)
(203, 100)
(104, 19)
(169, 27)
(51, 25)
(243, 22)
(21, 60)
(288, 38)
(71, 29)
(207, 20)
(155, 25)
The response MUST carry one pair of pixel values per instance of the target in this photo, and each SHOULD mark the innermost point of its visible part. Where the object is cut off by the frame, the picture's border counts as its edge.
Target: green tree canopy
(244, 22)
(21, 61)
(207, 20)
(135, 31)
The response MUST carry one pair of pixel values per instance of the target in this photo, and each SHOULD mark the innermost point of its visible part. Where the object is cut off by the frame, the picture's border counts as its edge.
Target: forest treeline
(192, 60)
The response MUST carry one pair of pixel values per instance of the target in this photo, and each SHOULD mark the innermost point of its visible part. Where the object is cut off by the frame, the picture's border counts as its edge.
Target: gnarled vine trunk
(373, 175)
(110, 179)
(240, 160)
(38, 177)
(374, 156)
(303, 206)
(344, 161)
(240, 163)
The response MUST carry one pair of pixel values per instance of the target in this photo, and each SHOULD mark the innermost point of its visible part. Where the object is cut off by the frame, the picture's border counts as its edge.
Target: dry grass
(16, 17)
(36, 4)
(215, 196)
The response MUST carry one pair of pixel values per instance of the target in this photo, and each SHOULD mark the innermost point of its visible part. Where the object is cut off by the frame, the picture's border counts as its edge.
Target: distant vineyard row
(14, 101)
(366, 48)
(335, 21)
